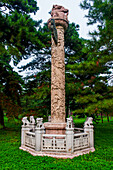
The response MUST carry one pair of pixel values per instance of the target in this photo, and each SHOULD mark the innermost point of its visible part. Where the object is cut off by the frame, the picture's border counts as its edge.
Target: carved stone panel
(58, 79)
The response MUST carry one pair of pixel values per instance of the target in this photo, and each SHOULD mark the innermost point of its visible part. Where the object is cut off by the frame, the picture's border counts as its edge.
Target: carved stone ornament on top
(32, 120)
(25, 121)
(69, 122)
(88, 122)
(39, 122)
(60, 12)
(59, 16)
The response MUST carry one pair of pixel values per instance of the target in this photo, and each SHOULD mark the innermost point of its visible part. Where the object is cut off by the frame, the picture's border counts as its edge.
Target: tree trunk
(102, 117)
(107, 117)
(2, 117)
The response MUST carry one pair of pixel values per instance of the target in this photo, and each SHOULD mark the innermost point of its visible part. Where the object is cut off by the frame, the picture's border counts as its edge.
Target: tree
(19, 39)
(95, 96)
(37, 90)
(73, 55)
(10, 93)
(101, 12)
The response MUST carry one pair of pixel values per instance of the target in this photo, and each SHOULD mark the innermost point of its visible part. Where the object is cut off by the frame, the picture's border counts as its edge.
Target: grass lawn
(11, 158)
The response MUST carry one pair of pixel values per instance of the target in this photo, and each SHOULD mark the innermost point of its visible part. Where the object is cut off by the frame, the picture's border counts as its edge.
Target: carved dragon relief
(54, 31)
(58, 79)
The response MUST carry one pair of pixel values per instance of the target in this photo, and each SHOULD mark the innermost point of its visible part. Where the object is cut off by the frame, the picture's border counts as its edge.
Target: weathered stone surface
(59, 14)
(58, 79)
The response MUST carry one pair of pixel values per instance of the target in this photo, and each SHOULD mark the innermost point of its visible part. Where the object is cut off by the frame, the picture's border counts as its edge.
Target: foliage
(36, 96)
(18, 39)
(13, 158)
(18, 33)
(93, 72)
(101, 12)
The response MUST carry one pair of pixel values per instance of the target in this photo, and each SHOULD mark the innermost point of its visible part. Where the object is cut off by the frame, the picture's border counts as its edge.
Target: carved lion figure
(69, 122)
(39, 122)
(88, 122)
(32, 120)
(25, 121)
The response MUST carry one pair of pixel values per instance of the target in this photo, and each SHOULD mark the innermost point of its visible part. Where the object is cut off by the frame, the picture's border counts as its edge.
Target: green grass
(11, 158)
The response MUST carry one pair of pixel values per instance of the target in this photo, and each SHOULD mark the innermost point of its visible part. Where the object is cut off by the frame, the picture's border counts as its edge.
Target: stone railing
(81, 141)
(78, 130)
(33, 136)
(30, 139)
(54, 143)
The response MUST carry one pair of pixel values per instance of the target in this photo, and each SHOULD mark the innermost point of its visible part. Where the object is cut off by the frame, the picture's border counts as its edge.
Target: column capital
(58, 22)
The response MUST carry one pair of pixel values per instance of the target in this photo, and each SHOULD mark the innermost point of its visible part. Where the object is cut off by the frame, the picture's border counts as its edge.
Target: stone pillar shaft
(38, 138)
(58, 78)
(23, 132)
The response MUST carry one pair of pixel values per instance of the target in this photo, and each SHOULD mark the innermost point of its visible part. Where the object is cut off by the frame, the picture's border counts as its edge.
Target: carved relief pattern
(58, 79)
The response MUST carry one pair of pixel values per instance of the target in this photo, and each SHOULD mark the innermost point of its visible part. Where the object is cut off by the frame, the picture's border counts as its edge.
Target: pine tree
(18, 39)
(95, 95)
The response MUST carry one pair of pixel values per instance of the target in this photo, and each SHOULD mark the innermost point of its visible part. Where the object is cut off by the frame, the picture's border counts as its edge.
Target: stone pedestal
(55, 128)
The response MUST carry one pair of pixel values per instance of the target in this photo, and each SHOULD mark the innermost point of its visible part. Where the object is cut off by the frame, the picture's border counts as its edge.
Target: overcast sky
(76, 14)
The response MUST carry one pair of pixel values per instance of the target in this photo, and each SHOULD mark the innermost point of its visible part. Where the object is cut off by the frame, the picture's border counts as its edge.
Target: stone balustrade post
(69, 136)
(25, 128)
(39, 130)
(89, 128)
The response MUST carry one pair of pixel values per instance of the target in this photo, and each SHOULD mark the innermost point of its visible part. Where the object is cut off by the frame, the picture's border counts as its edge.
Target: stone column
(58, 78)
(57, 24)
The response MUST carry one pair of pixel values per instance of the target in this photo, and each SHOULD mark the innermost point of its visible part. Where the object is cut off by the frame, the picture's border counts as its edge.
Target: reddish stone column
(58, 79)
(57, 124)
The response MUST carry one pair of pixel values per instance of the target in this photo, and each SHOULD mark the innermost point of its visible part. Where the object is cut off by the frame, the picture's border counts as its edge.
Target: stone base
(55, 128)
(58, 155)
